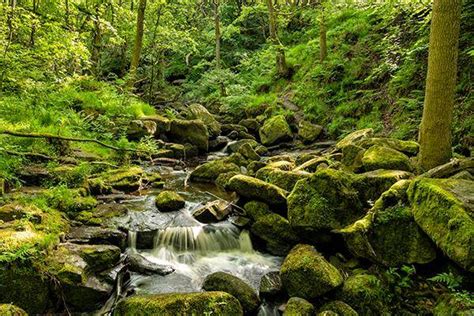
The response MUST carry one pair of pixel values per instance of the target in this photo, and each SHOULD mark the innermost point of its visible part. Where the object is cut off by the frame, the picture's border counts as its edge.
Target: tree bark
(282, 68)
(217, 30)
(137, 48)
(323, 48)
(435, 129)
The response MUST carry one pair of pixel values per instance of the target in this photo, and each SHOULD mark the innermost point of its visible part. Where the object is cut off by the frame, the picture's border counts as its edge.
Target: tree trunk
(436, 123)
(282, 68)
(96, 43)
(217, 30)
(137, 48)
(323, 48)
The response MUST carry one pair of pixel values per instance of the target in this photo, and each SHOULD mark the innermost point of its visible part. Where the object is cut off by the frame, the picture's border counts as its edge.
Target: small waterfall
(203, 239)
(132, 240)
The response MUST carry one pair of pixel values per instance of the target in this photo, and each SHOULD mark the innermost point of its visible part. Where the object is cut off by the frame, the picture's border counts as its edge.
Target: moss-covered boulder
(248, 152)
(223, 179)
(193, 132)
(338, 307)
(276, 232)
(127, 179)
(444, 209)
(407, 147)
(169, 201)
(373, 183)
(313, 164)
(206, 303)
(199, 112)
(97, 257)
(25, 287)
(209, 171)
(309, 132)
(251, 124)
(325, 201)
(298, 307)
(244, 293)
(256, 209)
(354, 137)
(306, 274)
(449, 304)
(352, 157)
(388, 234)
(11, 310)
(275, 130)
(270, 285)
(283, 179)
(253, 188)
(365, 293)
(381, 157)
(138, 129)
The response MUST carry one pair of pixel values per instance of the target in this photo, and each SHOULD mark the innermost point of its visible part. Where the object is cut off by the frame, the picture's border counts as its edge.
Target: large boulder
(163, 124)
(298, 307)
(270, 284)
(444, 209)
(327, 200)
(354, 137)
(373, 183)
(193, 132)
(122, 179)
(253, 188)
(407, 147)
(138, 129)
(221, 281)
(283, 179)
(205, 303)
(169, 201)
(388, 234)
(381, 157)
(140, 264)
(308, 131)
(306, 274)
(209, 171)
(201, 113)
(97, 235)
(339, 307)
(275, 130)
(276, 232)
(256, 209)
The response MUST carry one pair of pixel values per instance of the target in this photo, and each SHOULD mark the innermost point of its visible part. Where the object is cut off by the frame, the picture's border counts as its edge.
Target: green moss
(326, 201)
(283, 179)
(253, 188)
(306, 274)
(373, 183)
(193, 132)
(450, 304)
(207, 303)
(244, 293)
(298, 307)
(339, 307)
(209, 171)
(277, 233)
(256, 209)
(223, 179)
(201, 113)
(100, 257)
(123, 179)
(312, 164)
(309, 132)
(248, 152)
(168, 201)
(381, 157)
(443, 208)
(11, 310)
(405, 146)
(354, 137)
(275, 130)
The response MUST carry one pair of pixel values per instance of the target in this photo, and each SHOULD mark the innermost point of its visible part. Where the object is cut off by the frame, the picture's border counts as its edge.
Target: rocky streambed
(265, 219)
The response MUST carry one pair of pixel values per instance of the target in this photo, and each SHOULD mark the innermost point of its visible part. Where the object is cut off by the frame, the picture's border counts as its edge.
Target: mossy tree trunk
(436, 123)
(137, 48)
(282, 68)
(323, 48)
(217, 31)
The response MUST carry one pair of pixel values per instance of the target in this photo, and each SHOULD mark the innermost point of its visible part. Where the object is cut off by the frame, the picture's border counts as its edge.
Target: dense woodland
(230, 157)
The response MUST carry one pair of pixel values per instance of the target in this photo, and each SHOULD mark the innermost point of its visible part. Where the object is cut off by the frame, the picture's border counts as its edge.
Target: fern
(449, 279)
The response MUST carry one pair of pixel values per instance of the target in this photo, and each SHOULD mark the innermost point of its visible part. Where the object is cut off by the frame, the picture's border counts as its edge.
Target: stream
(193, 249)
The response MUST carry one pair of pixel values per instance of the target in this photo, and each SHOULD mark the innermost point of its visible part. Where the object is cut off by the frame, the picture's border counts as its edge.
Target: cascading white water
(132, 240)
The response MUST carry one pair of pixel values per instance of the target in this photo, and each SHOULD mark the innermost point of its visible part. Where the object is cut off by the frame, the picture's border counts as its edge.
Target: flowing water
(193, 249)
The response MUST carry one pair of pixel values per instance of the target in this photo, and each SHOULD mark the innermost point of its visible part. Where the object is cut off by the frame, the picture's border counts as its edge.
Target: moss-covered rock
(275, 130)
(270, 285)
(209, 171)
(256, 209)
(25, 287)
(443, 208)
(325, 201)
(312, 164)
(163, 124)
(339, 307)
(11, 310)
(251, 124)
(244, 293)
(298, 307)
(365, 293)
(407, 147)
(193, 132)
(352, 156)
(248, 152)
(127, 179)
(276, 232)
(138, 129)
(283, 179)
(309, 132)
(381, 157)
(15, 211)
(306, 274)
(169, 201)
(373, 183)
(206, 303)
(98, 257)
(201, 113)
(285, 165)
(354, 137)
(257, 189)
(223, 179)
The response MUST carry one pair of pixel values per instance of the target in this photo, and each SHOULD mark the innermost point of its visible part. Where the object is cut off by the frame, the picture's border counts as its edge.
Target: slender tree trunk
(33, 25)
(436, 123)
(137, 48)
(323, 48)
(217, 30)
(96, 43)
(66, 17)
(282, 68)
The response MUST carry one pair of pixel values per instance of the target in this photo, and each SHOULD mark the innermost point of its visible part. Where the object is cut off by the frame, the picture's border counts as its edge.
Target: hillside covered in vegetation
(175, 157)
